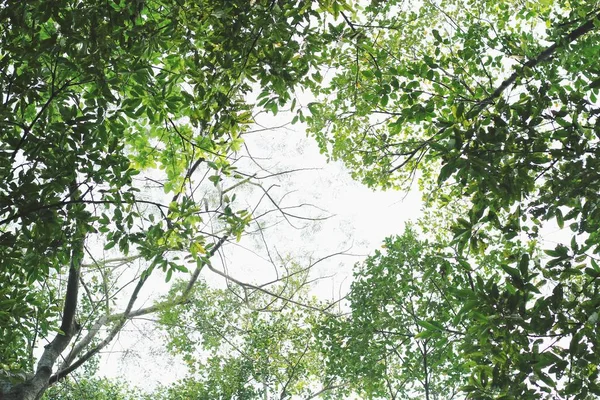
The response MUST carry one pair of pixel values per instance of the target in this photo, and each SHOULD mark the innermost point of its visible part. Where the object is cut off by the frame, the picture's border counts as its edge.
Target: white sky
(362, 218)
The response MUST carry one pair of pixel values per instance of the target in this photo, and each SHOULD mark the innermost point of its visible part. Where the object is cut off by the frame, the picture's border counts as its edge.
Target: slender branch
(121, 318)
(64, 372)
(323, 390)
(293, 371)
(543, 56)
(119, 261)
(83, 343)
(263, 290)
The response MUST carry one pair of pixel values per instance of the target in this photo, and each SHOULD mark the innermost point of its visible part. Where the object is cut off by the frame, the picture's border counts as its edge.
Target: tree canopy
(485, 101)
(428, 323)
(122, 160)
(400, 340)
(100, 100)
(492, 107)
(253, 346)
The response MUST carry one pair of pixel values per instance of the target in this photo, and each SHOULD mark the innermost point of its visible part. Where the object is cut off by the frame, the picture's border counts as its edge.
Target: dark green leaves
(112, 112)
(401, 300)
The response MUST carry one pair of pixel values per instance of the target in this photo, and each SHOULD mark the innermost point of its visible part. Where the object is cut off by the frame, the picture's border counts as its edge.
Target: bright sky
(361, 219)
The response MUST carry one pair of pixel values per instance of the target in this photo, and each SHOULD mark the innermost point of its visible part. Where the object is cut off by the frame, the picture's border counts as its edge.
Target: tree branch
(36, 385)
(121, 318)
(323, 390)
(64, 372)
(543, 56)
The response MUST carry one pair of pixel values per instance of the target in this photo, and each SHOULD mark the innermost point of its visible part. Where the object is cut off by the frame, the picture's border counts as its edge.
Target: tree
(428, 323)
(401, 338)
(238, 342)
(244, 344)
(434, 92)
(91, 389)
(100, 101)
(493, 107)
(492, 104)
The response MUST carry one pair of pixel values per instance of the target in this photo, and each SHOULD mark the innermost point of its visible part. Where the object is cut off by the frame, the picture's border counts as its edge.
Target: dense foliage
(247, 345)
(100, 100)
(491, 103)
(493, 107)
(121, 134)
(428, 323)
(401, 339)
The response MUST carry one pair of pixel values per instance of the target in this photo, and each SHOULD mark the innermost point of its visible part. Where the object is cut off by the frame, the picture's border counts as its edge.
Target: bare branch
(121, 318)
(325, 389)
(64, 372)
(263, 290)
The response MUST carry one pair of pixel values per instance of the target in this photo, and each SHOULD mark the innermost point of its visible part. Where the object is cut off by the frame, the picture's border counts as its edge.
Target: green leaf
(524, 264)
(446, 171)
(313, 108)
(559, 218)
(430, 325)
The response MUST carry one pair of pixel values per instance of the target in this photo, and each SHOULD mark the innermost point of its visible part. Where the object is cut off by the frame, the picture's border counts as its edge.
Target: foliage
(122, 129)
(91, 389)
(492, 102)
(101, 99)
(491, 105)
(428, 323)
(400, 339)
(246, 345)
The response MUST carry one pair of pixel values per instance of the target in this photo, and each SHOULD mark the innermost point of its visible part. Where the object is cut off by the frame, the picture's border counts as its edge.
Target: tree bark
(34, 387)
